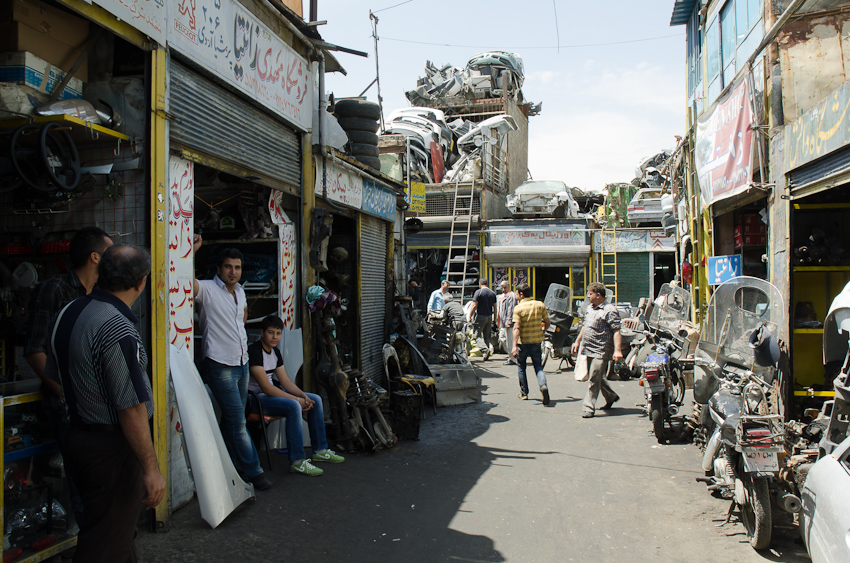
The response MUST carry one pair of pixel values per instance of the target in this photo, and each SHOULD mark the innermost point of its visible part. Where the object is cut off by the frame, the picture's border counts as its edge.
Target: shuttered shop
(222, 126)
(373, 284)
(633, 276)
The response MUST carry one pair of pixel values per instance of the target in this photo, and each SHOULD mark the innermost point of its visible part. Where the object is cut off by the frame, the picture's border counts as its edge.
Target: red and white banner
(724, 147)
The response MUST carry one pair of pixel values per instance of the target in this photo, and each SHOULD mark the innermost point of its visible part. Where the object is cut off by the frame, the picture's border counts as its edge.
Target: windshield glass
(672, 306)
(558, 298)
(737, 308)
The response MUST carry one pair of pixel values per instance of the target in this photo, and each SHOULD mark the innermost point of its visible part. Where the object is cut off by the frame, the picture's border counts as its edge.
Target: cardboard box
(749, 219)
(28, 70)
(15, 36)
(49, 20)
(759, 229)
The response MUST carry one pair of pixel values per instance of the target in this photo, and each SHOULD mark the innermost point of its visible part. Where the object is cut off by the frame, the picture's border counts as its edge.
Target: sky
(611, 74)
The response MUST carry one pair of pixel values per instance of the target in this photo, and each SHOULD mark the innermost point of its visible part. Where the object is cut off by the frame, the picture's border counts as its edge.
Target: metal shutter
(212, 120)
(633, 276)
(373, 305)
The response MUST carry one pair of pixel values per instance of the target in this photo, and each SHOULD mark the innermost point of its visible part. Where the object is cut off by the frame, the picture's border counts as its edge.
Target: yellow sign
(417, 197)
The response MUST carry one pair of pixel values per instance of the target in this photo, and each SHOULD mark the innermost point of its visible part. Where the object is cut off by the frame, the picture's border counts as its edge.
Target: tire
(358, 124)
(571, 358)
(371, 161)
(544, 357)
(366, 137)
(357, 108)
(680, 388)
(656, 416)
(756, 514)
(362, 149)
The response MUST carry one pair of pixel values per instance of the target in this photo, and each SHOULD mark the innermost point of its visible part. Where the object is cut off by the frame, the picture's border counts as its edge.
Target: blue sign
(378, 200)
(723, 268)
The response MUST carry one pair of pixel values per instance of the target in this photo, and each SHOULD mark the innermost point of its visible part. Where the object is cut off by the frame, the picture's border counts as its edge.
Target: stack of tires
(359, 119)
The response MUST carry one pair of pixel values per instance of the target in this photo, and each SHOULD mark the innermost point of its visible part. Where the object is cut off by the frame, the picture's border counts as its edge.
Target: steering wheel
(25, 158)
(59, 155)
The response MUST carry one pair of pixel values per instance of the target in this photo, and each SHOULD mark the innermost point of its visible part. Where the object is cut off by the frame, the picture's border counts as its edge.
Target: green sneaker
(329, 456)
(305, 468)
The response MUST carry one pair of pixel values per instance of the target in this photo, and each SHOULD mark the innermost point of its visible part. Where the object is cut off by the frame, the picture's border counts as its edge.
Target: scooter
(559, 337)
(736, 359)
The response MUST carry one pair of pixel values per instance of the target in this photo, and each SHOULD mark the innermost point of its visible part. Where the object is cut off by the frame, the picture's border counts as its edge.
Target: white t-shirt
(257, 356)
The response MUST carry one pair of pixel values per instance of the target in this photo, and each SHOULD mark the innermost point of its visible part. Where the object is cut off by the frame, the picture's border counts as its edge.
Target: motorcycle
(559, 337)
(736, 359)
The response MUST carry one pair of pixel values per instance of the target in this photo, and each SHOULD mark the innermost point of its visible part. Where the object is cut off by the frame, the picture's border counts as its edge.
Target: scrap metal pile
(444, 146)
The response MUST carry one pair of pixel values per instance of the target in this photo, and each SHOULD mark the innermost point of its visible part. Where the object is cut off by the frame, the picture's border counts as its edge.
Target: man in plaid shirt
(530, 320)
(600, 335)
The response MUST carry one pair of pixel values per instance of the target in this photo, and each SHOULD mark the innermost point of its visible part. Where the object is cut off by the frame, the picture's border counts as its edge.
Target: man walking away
(530, 319)
(225, 351)
(504, 317)
(483, 302)
(602, 343)
(97, 354)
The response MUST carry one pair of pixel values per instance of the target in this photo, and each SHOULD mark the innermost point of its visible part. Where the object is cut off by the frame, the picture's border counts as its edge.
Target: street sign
(723, 268)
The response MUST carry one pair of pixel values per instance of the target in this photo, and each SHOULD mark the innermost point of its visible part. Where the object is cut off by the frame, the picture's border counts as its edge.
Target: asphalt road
(502, 480)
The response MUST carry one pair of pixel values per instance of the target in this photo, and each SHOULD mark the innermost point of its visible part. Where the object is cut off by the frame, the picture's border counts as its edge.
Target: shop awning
(547, 256)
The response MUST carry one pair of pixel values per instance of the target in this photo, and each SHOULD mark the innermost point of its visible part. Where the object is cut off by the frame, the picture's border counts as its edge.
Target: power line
(393, 6)
(578, 46)
(557, 31)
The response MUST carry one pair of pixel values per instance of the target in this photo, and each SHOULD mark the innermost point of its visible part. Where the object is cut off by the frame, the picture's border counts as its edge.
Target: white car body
(545, 198)
(825, 518)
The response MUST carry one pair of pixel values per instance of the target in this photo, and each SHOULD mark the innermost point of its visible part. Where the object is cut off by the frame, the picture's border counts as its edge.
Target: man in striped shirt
(97, 355)
(602, 344)
(530, 320)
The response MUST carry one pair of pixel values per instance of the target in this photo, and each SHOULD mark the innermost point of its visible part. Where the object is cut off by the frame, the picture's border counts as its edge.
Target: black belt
(90, 427)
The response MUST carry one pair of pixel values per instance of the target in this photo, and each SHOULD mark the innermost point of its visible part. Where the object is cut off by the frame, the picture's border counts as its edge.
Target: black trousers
(109, 478)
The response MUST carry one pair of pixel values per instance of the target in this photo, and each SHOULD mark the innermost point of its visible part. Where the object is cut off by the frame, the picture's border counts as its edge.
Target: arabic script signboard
(724, 143)
(723, 268)
(537, 238)
(820, 130)
(233, 44)
(148, 16)
(181, 197)
(635, 241)
(349, 188)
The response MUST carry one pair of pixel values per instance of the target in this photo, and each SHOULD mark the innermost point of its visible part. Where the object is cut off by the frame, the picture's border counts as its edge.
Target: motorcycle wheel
(544, 356)
(656, 416)
(571, 359)
(679, 388)
(756, 513)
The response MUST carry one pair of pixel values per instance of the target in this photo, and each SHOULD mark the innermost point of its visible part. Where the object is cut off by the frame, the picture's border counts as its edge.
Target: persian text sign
(417, 197)
(288, 250)
(181, 197)
(634, 241)
(148, 16)
(537, 238)
(723, 268)
(378, 200)
(724, 143)
(232, 43)
(343, 186)
(820, 130)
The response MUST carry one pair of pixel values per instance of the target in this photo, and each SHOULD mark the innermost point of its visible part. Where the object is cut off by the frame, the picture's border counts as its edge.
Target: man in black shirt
(483, 302)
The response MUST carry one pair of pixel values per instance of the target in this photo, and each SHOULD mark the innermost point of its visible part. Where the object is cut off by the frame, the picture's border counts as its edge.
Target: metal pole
(374, 19)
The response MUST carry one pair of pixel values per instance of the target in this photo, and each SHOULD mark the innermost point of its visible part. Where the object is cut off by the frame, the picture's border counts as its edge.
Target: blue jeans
(534, 351)
(229, 385)
(291, 410)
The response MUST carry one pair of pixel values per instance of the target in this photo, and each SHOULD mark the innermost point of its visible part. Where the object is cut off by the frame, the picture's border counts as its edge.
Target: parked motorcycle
(736, 359)
(559, 337)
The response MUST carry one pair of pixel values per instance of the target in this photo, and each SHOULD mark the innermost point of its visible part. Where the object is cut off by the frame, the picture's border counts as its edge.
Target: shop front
(539, 252)
(360, 207)
(645, 259)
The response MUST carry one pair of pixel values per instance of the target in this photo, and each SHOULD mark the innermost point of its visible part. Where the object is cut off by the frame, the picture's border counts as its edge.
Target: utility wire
(393, 6)
(557, 31)
(527, 47)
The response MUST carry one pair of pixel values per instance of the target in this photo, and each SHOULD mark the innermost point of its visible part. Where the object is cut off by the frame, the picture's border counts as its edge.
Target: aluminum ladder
(608, 260)
(457, 262)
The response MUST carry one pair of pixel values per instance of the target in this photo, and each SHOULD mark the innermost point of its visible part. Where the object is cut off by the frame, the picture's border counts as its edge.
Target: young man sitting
(265, 361)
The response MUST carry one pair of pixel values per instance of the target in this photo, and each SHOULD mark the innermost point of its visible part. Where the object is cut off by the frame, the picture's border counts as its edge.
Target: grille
(441, 205)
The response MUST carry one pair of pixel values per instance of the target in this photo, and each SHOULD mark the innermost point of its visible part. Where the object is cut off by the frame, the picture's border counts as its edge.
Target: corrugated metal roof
(682, 10)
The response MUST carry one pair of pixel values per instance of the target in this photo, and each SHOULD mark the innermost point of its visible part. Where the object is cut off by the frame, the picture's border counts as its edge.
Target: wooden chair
(418, 383)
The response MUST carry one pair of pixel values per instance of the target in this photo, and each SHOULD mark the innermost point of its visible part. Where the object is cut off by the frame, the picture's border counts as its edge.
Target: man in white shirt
(225, 351)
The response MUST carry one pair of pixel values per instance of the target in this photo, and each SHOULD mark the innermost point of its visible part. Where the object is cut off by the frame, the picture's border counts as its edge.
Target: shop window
(695, 37)
(727, 42)
(712, 47)
(731, 37)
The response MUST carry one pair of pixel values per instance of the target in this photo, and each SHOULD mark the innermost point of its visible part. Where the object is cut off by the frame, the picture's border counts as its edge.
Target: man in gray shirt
(600, 335)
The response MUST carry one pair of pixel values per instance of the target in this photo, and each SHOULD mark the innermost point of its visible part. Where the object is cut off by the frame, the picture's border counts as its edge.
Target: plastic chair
(258, 419)
(418, 383)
